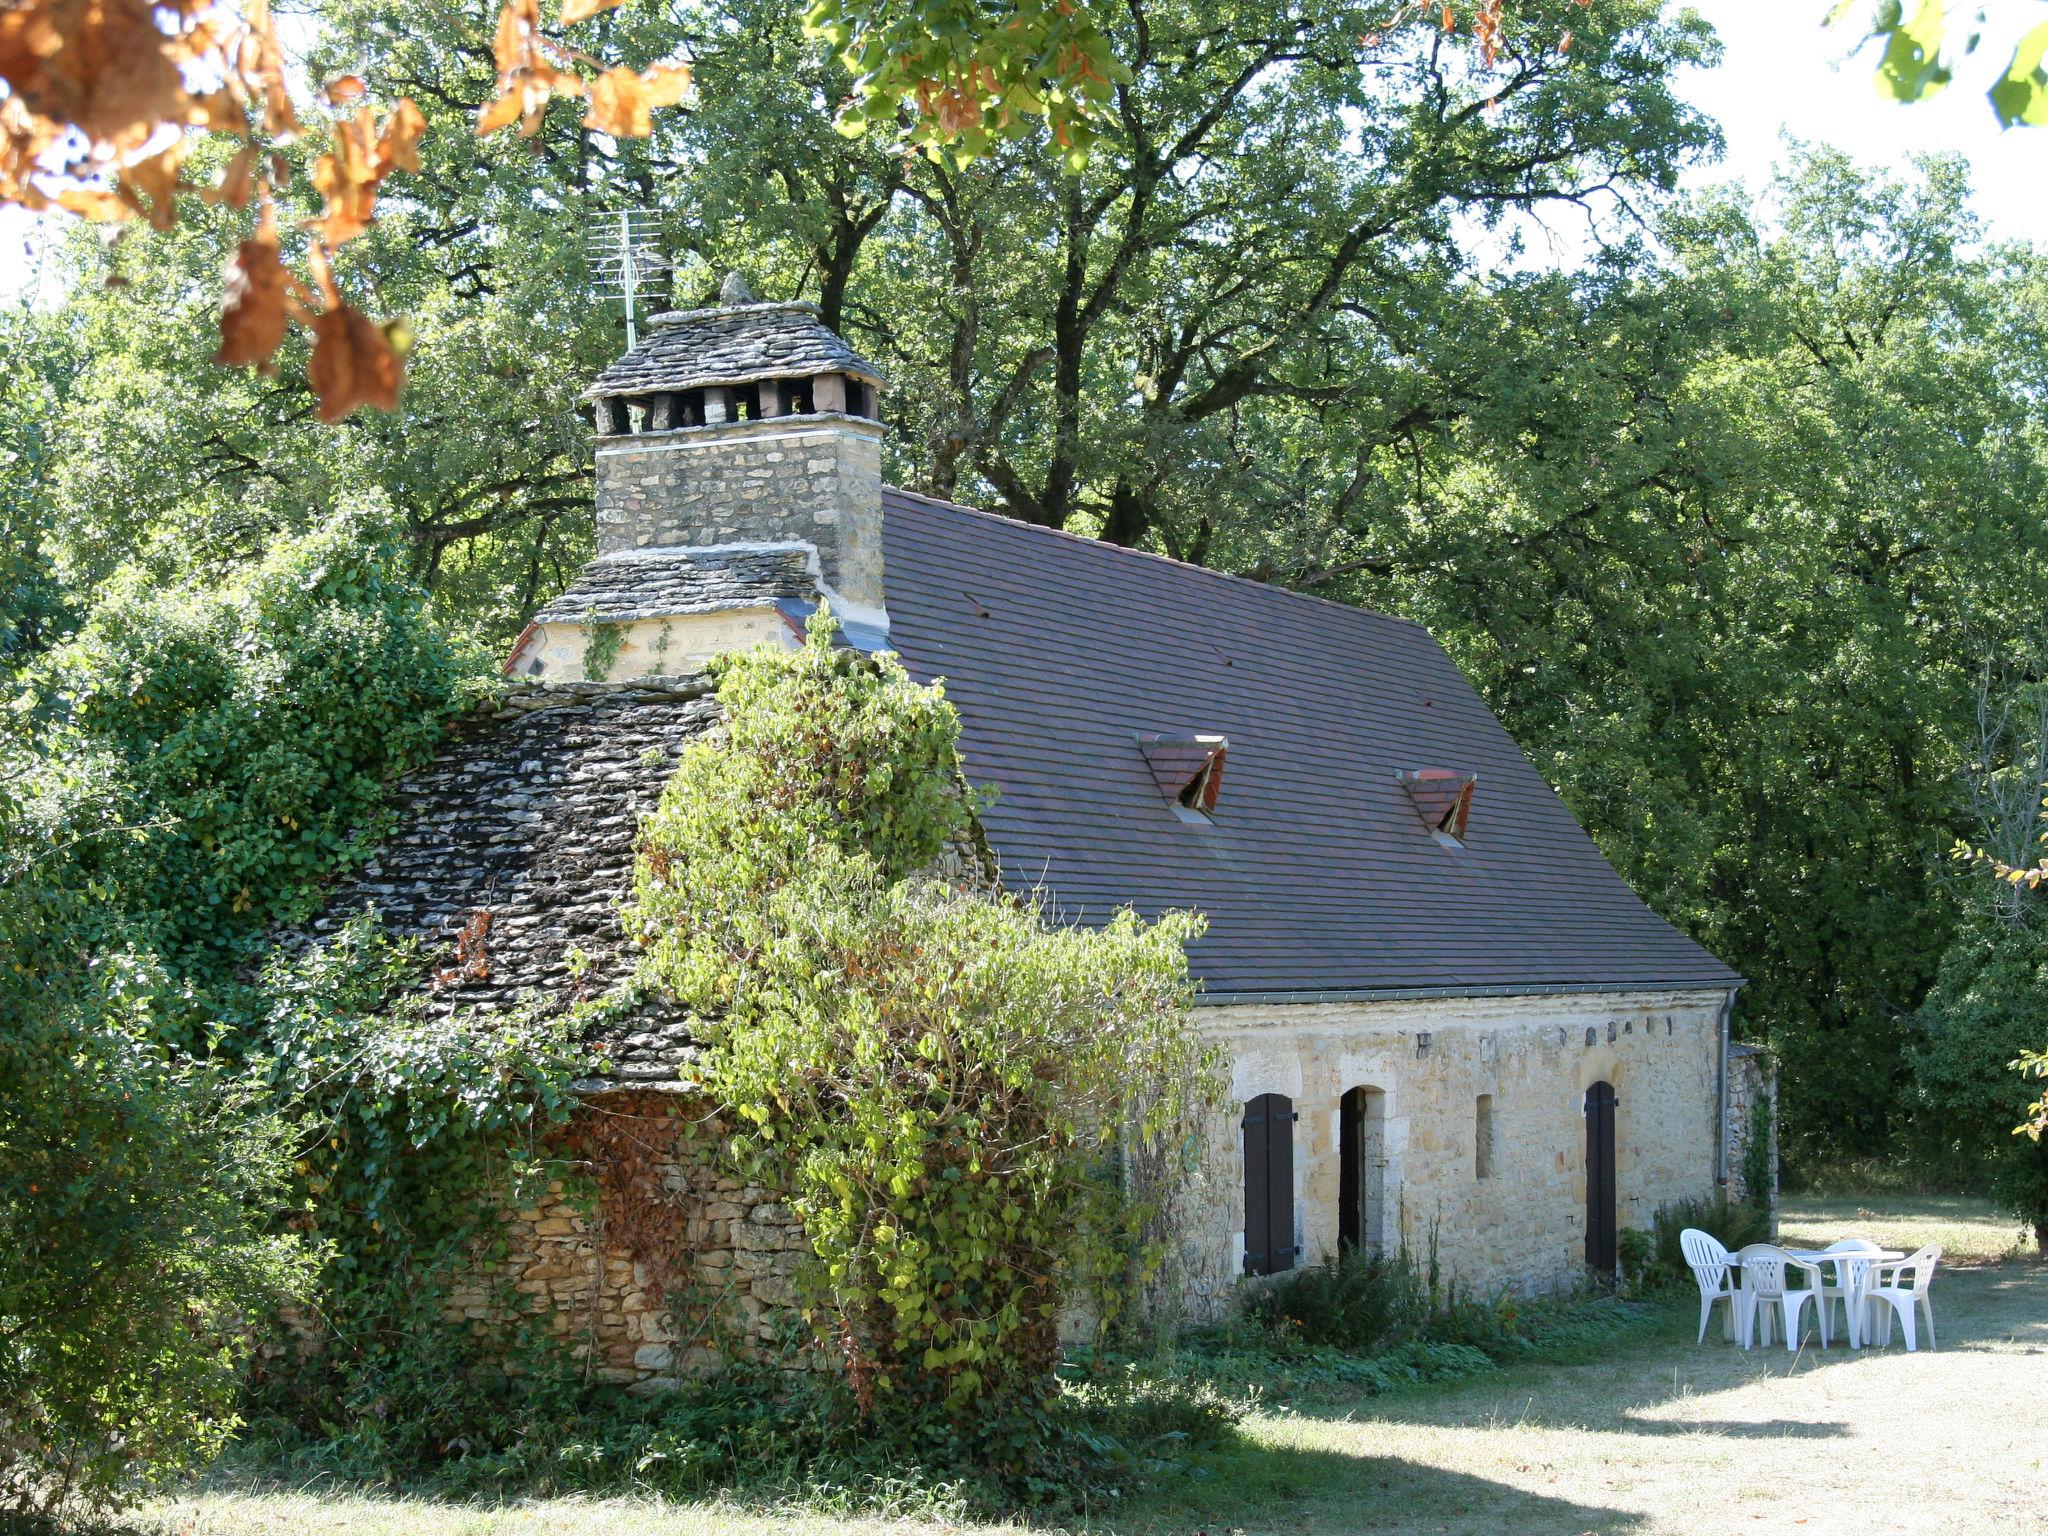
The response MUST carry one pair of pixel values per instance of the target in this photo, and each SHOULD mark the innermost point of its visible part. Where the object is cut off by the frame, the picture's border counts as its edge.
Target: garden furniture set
(1872, 1285)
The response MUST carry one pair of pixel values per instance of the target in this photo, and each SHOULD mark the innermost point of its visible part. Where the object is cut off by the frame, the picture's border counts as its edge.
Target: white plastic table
(1813, 1258)
(1873, 1261)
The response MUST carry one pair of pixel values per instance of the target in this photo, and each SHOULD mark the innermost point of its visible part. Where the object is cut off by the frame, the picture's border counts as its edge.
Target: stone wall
(670, 1270)
(1752, 1078)
(1524, 1225)
(792, 479)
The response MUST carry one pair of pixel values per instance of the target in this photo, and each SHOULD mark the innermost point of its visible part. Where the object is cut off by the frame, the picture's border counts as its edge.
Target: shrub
(246, 732)
(1988, 1006)
(1733, 1223)
(943, 1084)
(134, 1195)
(1354, 1301)
(412, 1135)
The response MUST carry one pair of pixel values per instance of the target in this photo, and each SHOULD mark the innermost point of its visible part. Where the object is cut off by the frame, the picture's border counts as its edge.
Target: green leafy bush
(1733, 1223)
(412, 1134)
(1988, 1007)
(944, 1084)
(135, 1196)
(1355, 1301)
(247, 730)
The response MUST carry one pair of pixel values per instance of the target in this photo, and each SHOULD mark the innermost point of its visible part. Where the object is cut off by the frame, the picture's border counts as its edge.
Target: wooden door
(1600, 1226)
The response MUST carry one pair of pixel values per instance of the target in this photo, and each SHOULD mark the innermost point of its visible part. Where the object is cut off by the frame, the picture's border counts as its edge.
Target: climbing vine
(944, 1086)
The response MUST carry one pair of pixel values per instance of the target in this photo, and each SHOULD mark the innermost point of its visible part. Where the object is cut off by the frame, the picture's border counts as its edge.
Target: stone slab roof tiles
(529, 815)
(737, 344)
(658, 583)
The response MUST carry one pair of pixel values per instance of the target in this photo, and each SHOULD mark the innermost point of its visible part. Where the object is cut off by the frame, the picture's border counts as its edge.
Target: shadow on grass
(1258, 1489)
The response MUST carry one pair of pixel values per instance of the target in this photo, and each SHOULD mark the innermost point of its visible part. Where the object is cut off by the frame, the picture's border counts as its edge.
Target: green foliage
(1355, 1301)
(246, 731)
(601, 650)
(939, 1080)
(1916, 59)
(135, 1196)
(413, 1135)
(1733, 1223)
(1989, 1006)
(1758, 1153)
(973, 81)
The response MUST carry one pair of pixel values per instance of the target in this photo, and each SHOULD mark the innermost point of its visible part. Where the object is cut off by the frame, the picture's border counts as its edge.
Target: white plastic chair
(1852, 1278)
(1708, 1261)
(1763, 1268)
(1908, 1298)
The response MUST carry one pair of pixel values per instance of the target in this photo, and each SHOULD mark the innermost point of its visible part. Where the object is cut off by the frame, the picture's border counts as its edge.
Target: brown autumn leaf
(668, 85)
(261, 65)
(347, 177)
(102, 66)
(156, 179)
(574, 11)
(96, 204)
(354, 363)
(398, 144)
(501, 113)
(346, 90)
(618, 105)
(238, 182)
(518, 22)
(252, 312)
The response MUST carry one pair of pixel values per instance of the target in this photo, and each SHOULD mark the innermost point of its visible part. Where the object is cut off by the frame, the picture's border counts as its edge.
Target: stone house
(1450, 1023)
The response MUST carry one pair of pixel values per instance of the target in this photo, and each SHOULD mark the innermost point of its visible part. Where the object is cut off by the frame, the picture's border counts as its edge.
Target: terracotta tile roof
(1317, 873)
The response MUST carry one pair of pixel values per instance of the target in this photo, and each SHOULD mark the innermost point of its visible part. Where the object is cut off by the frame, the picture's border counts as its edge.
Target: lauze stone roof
(513, 850)
(731, 345)
(656, 583)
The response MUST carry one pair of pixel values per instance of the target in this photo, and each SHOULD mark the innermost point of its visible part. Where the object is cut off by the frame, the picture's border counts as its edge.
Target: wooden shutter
(1269, 1184)
(1600, 1212)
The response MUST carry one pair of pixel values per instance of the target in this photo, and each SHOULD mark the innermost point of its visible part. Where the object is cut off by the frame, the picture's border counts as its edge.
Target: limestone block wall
(815, 479)
(1523, 1224)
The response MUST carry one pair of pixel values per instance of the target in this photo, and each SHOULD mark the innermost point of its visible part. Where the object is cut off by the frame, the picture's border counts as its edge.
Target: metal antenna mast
(625, 253)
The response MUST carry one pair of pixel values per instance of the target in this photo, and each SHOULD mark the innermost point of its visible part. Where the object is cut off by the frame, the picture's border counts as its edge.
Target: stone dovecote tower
(739, 481)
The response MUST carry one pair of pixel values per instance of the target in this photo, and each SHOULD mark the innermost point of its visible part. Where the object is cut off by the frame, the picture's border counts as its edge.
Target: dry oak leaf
(668, 85)
(354, 363)
(619, 105)
(252, 314)
(398, 144)
(101, 65)
(574, 11)
(157, 180)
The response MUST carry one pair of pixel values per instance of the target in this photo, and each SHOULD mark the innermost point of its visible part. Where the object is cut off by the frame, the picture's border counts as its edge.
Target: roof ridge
(1146, 554)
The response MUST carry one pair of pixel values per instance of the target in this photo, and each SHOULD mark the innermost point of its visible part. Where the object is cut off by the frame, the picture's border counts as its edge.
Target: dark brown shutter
(1269, 1184)
(1600, 1212)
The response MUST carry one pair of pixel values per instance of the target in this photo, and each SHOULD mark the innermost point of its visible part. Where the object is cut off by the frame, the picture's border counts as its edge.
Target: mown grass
(1650, 1434)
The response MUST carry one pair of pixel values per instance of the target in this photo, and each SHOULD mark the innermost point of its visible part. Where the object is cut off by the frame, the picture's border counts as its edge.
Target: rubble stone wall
(789, 479)
(1752, 1078)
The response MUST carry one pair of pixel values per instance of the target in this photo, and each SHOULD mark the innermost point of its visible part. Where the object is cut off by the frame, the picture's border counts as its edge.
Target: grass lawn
(1670, 1438)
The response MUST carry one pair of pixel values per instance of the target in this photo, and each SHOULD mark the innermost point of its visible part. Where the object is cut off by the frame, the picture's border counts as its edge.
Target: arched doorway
(1362, 1170)
(1600, 1223)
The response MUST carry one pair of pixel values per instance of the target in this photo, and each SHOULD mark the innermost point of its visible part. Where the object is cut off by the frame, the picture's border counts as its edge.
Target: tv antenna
(625, 254)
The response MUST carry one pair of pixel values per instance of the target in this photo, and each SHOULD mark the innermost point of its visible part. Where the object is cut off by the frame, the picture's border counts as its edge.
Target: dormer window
(1443, 797)
(1188, 771)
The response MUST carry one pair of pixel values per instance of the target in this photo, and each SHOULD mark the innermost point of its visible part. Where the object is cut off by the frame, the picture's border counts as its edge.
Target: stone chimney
(752, 425)
(739, 481)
